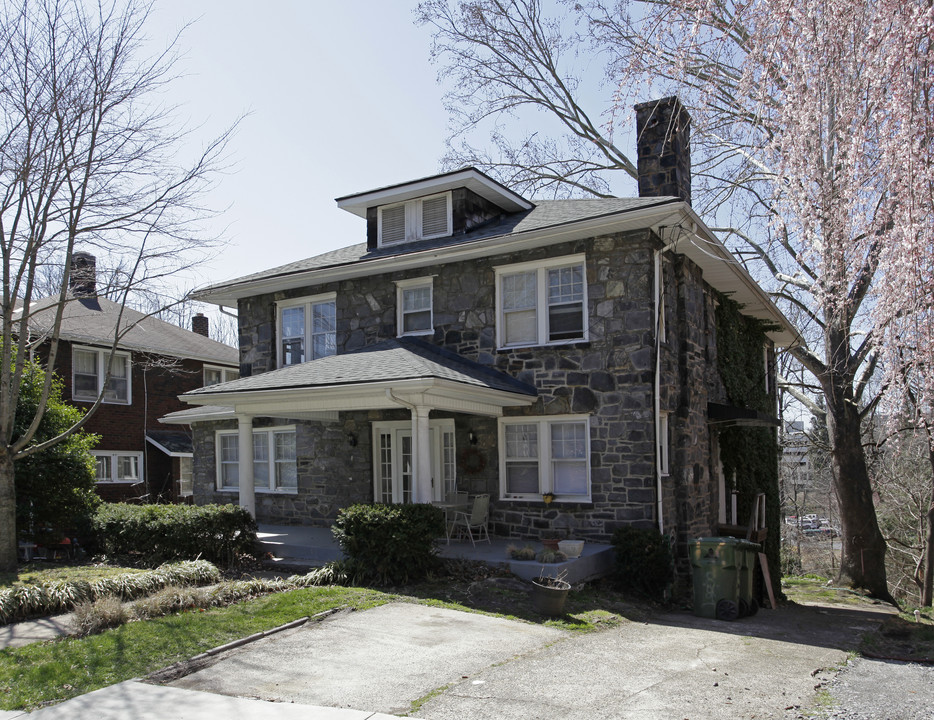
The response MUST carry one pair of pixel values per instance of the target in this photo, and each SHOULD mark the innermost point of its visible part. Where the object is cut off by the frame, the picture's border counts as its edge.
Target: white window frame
(541, 269)
(413, 220)
(402, 287)
(185, 476)
(309, 304)
(546, 463)
(113, 457)
(664, 445)
(101, 356)
(226, 374)
(269, 436)
(387, 466)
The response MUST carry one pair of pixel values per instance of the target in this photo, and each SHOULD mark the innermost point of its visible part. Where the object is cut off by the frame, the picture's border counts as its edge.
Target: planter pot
(549, 600)
(571, 548)
(550, 543)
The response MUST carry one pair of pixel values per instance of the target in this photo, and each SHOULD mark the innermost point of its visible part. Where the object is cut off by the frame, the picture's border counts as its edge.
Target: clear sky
(339, 97)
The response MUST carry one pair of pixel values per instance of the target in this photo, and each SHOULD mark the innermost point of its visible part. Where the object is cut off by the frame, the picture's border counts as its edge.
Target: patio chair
(476, 521)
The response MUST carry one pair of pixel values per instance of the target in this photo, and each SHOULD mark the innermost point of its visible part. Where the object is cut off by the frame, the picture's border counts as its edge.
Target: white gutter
(656, 288)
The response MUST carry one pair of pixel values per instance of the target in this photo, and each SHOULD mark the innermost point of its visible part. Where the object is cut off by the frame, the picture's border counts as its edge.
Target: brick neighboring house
(138, 459)
(483, 341)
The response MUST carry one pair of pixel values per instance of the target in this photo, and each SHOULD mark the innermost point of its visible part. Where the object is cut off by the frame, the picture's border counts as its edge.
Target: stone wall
(610, 378)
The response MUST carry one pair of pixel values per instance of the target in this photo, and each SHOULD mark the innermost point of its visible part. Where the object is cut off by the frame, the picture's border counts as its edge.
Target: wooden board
(764, 563)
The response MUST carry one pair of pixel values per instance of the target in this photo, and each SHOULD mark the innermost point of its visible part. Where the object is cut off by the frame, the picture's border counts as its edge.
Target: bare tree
(806, 120)
(89, 159)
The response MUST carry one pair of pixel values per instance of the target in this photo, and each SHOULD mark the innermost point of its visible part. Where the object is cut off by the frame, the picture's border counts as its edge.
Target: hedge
(389, 544)
(644, 561)
(157, 533)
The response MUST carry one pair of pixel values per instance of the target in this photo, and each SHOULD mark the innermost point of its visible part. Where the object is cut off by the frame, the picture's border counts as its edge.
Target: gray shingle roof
(392, 360)
(93, 320)
(546, 214)
(175, 441)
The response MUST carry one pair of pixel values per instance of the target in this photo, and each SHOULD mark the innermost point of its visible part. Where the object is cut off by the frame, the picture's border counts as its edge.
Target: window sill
(583, 343)
(418, 333)
(260, 491)
(118, 482)
(91, 401)
(537, 500)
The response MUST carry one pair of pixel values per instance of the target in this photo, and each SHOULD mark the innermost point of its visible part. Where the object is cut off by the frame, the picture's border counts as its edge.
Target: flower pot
(548, 599)
(571, 548)
(550, 543)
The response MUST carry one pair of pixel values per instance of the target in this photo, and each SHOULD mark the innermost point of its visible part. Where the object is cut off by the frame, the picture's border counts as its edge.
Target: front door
(393, 463)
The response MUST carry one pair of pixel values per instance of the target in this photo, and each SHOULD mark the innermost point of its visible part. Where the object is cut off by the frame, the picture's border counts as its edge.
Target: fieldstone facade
(610, 378)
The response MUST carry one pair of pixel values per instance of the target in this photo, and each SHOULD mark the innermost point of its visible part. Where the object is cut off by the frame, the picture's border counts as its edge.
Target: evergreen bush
(643, 561)
(389, 544)
(157, 533)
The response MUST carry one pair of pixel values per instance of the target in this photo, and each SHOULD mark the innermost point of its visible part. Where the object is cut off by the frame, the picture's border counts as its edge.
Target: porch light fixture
(351, 439)
(471, 437)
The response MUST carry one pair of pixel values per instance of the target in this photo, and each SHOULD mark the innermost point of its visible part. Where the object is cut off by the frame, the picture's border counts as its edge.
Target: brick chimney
(83, 279)
(199, 324)
(663, 139)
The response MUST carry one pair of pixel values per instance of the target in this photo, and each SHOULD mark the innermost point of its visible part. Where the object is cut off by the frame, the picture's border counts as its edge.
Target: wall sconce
(351, 439)
(471, 437)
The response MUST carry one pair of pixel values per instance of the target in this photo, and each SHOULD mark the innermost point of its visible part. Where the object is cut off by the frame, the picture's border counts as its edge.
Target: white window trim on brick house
(100, 359)
(538, 272)
(265, 440)
(406, 221)
(545, 462)
(309, 330)
(224, 374)
(405, 292)
(113, 466)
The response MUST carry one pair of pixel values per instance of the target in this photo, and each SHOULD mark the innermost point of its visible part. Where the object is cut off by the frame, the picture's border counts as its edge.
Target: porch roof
(399, 372)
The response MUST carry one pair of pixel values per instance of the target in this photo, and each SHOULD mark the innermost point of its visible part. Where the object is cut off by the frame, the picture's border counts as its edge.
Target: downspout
(656, 288)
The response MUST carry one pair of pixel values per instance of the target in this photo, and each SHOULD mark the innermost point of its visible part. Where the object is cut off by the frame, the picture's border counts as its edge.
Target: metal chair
(476, 521)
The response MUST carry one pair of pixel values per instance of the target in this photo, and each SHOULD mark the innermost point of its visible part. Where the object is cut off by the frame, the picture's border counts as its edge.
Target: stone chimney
(199, 324)
(83, 279)
(663, 139)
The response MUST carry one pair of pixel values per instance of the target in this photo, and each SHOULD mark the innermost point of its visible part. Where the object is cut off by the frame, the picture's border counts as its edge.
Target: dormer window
(420, 219)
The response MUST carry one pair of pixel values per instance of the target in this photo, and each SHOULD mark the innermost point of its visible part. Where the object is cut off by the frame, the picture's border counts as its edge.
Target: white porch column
(245, 462)
(421, 455)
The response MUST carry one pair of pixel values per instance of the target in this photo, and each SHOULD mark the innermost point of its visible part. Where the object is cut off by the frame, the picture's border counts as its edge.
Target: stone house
(138, 458)
(561, 351)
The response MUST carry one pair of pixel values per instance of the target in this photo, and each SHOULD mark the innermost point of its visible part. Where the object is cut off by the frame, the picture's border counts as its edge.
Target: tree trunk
(927, 587)
(863, 561)
(8, 543)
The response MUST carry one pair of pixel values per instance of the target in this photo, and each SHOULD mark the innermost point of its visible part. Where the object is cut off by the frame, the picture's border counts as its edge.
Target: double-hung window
(118, 467)
(547, 455)
(274, 466)
(89, 370)
(414, 301)
(307, 329)
(217, 375)
(421, 219)
(542, 303)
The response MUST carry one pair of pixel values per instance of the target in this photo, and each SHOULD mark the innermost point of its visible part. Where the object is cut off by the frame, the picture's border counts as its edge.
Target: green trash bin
(715, 562)
(748, 605)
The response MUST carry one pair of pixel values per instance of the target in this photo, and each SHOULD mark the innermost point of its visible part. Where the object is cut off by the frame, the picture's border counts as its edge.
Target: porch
(299, 546)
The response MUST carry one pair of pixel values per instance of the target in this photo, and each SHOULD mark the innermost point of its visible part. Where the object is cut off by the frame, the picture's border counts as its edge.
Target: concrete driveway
(452, 664)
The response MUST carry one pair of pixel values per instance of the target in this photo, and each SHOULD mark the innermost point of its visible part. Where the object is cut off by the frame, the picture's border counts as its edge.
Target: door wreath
(472, 461)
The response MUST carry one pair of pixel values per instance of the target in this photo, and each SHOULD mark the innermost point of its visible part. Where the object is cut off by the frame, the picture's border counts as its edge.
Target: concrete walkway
(30, 631)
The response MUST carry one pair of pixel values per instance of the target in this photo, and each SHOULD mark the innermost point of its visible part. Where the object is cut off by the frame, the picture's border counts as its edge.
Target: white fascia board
(166, 451)
(435, 393)
(664, 214)
(473, 180)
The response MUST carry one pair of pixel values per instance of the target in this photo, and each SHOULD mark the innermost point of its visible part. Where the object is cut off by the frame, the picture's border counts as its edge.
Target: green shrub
(24, 601)
(157, 533)
(643, 561)
(389, 544)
